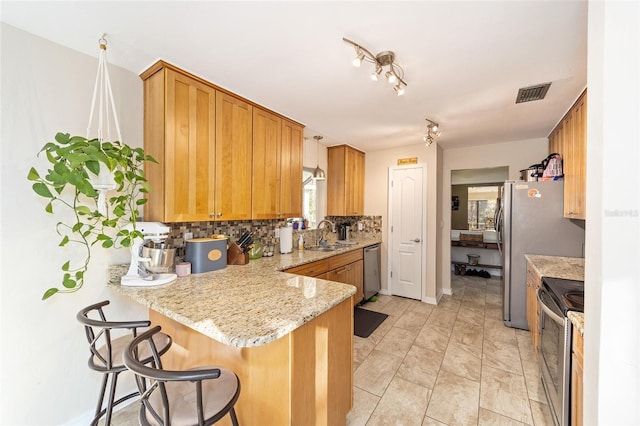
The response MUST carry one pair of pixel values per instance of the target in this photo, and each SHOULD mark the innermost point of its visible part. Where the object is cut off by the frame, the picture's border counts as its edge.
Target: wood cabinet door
(336, 181)
(291, 170)
(345, 181)
(577, 386)
(266, 189)
(189, 156)
(579, 163)
(534, 281)
(354, 183)
(356, 278)
(234, 140)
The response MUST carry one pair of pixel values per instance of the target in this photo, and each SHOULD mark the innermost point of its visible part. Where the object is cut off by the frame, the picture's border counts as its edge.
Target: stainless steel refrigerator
(530, 221)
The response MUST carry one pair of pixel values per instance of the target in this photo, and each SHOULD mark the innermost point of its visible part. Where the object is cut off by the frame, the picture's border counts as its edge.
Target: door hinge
(391, 228)
(391, 274)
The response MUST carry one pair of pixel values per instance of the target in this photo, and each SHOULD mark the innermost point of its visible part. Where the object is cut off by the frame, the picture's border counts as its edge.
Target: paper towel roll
(286, 239)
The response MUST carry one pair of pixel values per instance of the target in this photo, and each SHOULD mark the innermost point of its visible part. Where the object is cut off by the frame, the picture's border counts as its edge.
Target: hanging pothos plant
(75, 162)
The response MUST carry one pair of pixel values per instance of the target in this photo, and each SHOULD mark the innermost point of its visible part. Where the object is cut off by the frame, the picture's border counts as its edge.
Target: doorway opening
(475, 198)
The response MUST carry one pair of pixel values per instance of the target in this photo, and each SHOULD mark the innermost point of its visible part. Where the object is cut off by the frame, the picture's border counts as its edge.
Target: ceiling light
(432, 132)
(399, 89)
(391, 78)
(357, 61)
(376, 73)
(383, 60)
(318, 173)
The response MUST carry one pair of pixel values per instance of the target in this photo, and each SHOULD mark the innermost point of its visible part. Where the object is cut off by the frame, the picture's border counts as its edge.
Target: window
(309, 198)
(481, 208)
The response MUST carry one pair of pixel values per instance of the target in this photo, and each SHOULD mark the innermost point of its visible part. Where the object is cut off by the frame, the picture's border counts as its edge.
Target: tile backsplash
(264, 230)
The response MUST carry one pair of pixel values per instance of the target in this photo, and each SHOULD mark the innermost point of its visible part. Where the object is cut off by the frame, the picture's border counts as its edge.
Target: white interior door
(407, 223)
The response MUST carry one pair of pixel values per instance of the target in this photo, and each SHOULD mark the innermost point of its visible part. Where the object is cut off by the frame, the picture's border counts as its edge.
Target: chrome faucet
(320, 232)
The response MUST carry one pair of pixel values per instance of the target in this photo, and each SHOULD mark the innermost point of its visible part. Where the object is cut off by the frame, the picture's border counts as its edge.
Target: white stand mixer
(137, 276)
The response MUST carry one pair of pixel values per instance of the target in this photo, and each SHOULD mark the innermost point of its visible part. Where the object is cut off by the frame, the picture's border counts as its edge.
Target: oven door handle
(557, 318)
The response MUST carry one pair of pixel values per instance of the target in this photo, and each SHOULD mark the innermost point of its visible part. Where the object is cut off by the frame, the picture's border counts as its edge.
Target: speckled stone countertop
(247, 305)
(577, 319)
(569, 268)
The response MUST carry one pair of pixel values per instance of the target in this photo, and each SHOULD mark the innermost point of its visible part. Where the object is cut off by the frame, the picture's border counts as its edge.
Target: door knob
(417, 240)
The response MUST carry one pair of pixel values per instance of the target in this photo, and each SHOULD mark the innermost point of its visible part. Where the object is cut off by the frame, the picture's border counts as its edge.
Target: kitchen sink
(324, 248)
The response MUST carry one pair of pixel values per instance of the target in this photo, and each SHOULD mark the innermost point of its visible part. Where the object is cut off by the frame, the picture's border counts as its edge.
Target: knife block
(235, 255)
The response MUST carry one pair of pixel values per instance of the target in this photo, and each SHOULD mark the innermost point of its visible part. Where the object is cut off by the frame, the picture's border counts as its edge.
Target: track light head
(399, 89)
(432, 132)
(357, 61)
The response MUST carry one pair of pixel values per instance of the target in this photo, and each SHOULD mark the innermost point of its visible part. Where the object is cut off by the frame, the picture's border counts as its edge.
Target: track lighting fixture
(432, 132)
(394, 73)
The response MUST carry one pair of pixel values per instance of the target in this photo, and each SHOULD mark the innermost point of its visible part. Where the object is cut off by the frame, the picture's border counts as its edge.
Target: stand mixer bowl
(158, 258)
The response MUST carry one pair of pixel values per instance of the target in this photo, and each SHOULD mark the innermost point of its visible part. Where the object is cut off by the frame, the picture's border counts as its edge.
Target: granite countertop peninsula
(569, 268)
(245, 305)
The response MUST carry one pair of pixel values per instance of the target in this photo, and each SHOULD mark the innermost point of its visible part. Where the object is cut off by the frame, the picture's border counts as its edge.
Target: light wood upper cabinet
(277, 167)
(267, 130)
(234, 140)
(180, 134)
(569, 139)
(345, 181)
(291, 170)
(203, 138)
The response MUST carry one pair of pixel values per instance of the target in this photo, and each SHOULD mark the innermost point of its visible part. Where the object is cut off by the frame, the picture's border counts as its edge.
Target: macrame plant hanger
(104, 182)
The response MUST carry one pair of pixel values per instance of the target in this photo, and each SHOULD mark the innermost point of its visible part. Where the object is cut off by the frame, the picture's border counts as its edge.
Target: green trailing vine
(74, 161)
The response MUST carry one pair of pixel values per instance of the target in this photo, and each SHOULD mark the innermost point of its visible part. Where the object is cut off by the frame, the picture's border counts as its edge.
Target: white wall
(47, 88)
(376, 201)
(516, 155)
(612, 277)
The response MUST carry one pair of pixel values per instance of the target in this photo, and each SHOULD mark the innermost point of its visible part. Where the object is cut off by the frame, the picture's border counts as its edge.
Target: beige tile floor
(451, 364)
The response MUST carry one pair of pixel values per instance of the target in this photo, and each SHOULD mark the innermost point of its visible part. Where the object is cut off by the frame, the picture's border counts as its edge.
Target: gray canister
(206, 254)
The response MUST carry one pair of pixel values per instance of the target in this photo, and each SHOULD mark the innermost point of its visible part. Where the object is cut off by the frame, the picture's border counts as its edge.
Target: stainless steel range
(556, 297)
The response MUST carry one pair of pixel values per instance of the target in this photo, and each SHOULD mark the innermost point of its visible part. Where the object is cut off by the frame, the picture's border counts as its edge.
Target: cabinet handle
(212, 214)
(219, 214)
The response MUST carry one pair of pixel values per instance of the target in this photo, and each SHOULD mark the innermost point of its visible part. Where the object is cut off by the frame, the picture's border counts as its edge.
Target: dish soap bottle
(301, 243)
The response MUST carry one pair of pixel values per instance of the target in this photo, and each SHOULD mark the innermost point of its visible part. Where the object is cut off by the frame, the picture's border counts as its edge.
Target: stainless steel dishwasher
(372, 280)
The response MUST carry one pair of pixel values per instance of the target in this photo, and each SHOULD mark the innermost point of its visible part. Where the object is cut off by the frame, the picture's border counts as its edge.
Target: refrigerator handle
(498, 221)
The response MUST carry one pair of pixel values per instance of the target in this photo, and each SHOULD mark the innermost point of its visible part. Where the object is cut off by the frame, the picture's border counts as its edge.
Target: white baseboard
(384, 291)
(448, 291)
(430, 300)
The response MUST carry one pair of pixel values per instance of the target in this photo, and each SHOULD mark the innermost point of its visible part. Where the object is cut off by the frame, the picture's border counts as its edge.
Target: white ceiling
(463, 60)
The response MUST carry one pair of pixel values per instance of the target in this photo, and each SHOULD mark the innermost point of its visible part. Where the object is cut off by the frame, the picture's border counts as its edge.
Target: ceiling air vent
(532, 93)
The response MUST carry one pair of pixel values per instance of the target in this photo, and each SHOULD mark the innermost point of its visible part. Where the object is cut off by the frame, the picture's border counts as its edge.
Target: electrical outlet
(277, 232)
(188, 235)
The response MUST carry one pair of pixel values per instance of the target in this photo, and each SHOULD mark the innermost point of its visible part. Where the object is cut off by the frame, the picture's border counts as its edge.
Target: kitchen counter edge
(236, 305)
(568, 268)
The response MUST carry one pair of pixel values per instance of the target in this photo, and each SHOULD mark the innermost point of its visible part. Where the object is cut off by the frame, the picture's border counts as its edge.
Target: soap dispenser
(301, 242)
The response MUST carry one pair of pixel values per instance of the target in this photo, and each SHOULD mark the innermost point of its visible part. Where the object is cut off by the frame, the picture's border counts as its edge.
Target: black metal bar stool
(198, 396)
(106, 352)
